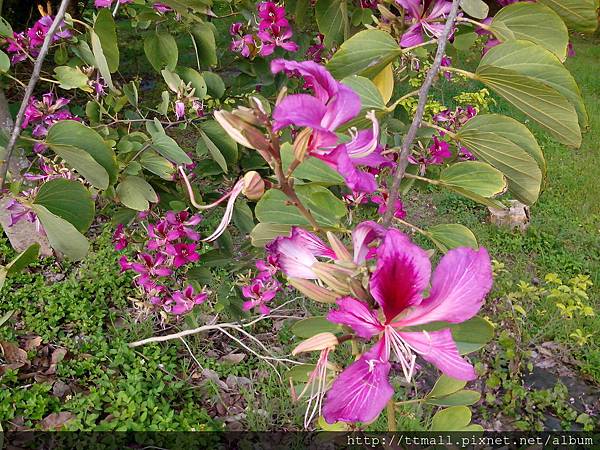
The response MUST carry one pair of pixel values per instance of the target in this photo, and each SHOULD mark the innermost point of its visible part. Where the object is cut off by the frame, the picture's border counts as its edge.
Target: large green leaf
(100, 58)
(193, 77)
(62, 235)
(169, 148)
(542, 103)
(446, 385)
(580, 15)
(4, 62)
(75, 134)
(158, 165)
(365, 53)
(136, 193)
(311, 169)
(72, 78)
(215, 86)
(204, 37)
(307, 328)
(452, 235)
(455, 418)
(24, 258)
(475, 8)
(83, 163)
(532, 22)
(474, 176)
(227, 146)
(105, 29)
(326, 208)
(370, 97)
(263, 233)
(161, 50)
(331, 16)
(510, 129)
(521, 170)
(465, 397)
(69, 200)
(531, 60)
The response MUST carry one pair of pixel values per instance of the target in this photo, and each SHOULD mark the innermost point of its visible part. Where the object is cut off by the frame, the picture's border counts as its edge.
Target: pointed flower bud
(313, 291)
(254, 186)
(233, 126)
(334, 277)
(301, 144)
(338, 247)
(318, 342)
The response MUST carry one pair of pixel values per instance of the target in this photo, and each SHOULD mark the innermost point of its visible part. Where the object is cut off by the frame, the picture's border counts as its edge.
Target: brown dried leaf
(60, 389)
(57, 356)
(233, 358)
(32, 342)
(13, 354)
(56, 421)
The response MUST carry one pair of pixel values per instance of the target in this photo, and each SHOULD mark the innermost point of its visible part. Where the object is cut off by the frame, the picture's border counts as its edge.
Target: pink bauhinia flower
(275, 36)
(259, 293)
(182, 302)
(182, 253)
(424, 17)
(271, 14)
(459, 285)
(331, 105)
(108, 3)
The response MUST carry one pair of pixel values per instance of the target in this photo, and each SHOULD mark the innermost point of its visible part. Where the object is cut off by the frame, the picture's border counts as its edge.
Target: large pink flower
(332, 104)
(423, 19)
(459, 285)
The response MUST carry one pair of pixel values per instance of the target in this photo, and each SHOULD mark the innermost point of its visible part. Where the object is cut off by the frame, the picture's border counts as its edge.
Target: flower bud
(313, 291)
(318, 342)
(301, 144)
(334, 277)
(338, 247)
(246, 114)
(282, 94)
(233, 126)
(254, 186)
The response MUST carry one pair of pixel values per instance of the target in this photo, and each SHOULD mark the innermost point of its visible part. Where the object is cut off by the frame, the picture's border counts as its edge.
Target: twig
(37, 69)
(414, 127)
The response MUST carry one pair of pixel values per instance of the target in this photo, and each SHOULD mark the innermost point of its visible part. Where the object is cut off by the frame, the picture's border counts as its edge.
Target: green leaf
(214, 84)
(168, 147)
(454, 418)
(331, 16)
(8, 314)
(84, 164)
(365, 53)
(326, 208)
(101, 62)
(465, 397)
(449, 236)
(311, 169)
(4, 62)
(69, 200)
(474, 176)
(510, 129)
(445, 386)
(537, 63)
(202, 275)
(161, 50)
(131, 92)
(62, 235)
(300, 373)
(158, 165)
(2, 280)
(580, 15)
(75, 134)
(532, 22)
(370, 97)
(5, 28)
(542, 103)
(204, 37)
(521, 170)
(307, 328)
(243, 217)
(472, 335)
(263, 233)
(205, 145)
(136, 193)
(173, 80)
(464, 41)
(24, 258)
(475, 8)
(193, 77)
(105, 29)
(71, 78)
(227, 146)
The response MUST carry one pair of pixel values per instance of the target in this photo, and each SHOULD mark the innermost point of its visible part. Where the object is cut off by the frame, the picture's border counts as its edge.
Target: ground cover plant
(276, 216)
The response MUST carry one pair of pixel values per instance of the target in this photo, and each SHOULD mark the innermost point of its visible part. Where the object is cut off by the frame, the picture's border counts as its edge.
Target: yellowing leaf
(384, 81)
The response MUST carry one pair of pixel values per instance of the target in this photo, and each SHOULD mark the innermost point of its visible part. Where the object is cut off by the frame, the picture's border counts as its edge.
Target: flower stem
(412, 132)
(391, 415)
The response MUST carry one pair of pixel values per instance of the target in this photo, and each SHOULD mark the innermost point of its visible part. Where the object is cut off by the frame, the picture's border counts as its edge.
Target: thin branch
(412, 132)
(37, 69)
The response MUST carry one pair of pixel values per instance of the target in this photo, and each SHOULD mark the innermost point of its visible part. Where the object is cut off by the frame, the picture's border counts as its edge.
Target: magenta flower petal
(355, 179)
(413, 7)
(316, 76)
(362, 236)
(459, 285)
(439, 348)
(358, 316)
(343, 107)
(301, 110)
(360, 392)
(402, 274)
(413, 36)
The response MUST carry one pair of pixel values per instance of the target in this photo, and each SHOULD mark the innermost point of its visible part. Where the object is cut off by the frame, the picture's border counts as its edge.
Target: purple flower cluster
(424, 19)
(264, 287)
(171, 245)
(28, 43)
(315, 51)
(273, 31)
(42, 114)
(108, 3)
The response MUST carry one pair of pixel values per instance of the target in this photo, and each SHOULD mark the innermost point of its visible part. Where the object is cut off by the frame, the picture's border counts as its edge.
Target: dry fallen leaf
(13, 354)
(233, 358)
(55, 421)
(32, 342)
(57, 356)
